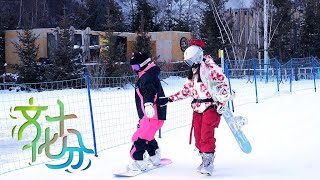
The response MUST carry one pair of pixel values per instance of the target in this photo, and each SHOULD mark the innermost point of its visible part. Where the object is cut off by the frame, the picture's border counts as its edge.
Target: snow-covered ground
(283, 130)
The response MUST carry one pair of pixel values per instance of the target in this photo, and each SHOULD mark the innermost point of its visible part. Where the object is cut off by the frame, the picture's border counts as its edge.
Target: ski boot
(155, 160)
(139, 165)
(207, 163)
(201, 165)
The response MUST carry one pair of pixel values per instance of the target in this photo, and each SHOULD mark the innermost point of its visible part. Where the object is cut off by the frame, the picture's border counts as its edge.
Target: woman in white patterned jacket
(208, 87)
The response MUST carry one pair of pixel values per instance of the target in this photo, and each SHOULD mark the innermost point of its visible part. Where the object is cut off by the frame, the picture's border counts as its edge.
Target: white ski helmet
(193, 55)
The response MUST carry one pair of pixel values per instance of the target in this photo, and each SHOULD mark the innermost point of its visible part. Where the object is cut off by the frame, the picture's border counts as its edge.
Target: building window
(94, 40)
(51, 45)
(78, 40)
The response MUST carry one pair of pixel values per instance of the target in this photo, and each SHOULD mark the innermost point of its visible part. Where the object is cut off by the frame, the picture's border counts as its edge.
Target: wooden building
(165, 46)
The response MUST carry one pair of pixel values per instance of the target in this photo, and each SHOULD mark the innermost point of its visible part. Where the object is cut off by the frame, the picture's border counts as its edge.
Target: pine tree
(77, 14)
(8, 16)
(209, 32)
(65, 65)
(97, 13)
(2, 52)
(92, 11)
(114, 51)
(55, 12)
(308, 30)
(167, 21)
(142, 43)
(281, 29)
(145, 10)
(181, 24)
(114, 17)
(30, 70)
(100, 15)
(317, 31)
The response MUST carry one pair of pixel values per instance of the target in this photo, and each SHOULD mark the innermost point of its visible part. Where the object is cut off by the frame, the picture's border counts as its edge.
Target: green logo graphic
(32, 120)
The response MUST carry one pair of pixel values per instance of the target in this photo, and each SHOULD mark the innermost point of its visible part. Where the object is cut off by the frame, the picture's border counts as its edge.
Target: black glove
(163, 101)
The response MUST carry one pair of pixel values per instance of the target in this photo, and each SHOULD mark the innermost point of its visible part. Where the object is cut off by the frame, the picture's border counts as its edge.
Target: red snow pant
(143, 139)
(204, 125)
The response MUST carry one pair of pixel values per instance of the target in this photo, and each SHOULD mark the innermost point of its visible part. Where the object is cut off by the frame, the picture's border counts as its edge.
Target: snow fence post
(267, 73)
(255, 78)
(291, 74)
(91, 114)
(277, 75)
(314, 75)
(160, 133)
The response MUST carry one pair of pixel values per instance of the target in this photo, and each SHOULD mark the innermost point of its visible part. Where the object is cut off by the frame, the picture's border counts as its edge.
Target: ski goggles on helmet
(189, 62)
(137, 67)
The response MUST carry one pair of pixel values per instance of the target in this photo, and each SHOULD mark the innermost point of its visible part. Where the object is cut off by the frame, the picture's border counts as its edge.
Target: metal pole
(314, 75)
(277, 75)
(265, 35)
(160, 133)
(255, 79)
(91, 114)
(291, 74)
(221, 56)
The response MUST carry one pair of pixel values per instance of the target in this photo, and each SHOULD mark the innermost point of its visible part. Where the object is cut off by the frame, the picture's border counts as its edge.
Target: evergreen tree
(30, 70)
(100, 16)
(112, 56)
(145, 10)
(181, 24)
(142, 43)
(113, 23)
(92, 11)
(97, 13)
(309, 29)
(114, 17)
(114, 51)
(281, 29)
(77, 14)
(2, 52)
(65, 65)
(209, 32)
(8, 16)
(167, 21)
(317, 31)
(55, 12)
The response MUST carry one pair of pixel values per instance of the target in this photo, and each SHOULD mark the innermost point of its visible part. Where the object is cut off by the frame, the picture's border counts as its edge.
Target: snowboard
(126, 173)
(235, 123)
